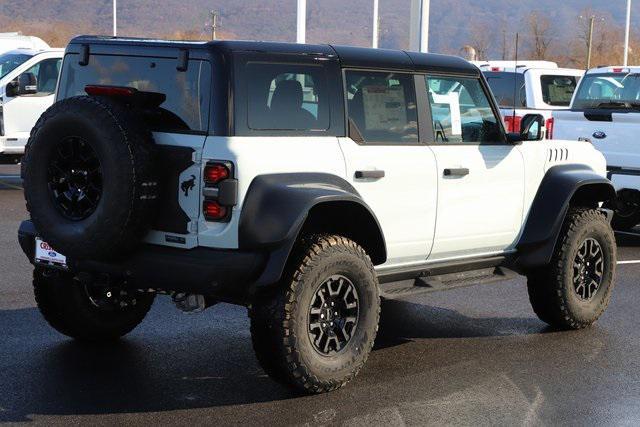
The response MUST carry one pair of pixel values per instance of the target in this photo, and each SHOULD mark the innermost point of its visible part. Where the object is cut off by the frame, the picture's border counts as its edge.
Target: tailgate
(614, 134)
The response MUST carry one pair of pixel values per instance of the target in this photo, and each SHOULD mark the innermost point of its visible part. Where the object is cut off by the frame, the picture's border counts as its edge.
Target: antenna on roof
(515, 85)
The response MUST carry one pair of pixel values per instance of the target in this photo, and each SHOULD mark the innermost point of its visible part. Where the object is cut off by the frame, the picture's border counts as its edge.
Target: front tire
(573, 291)
(317, 330)
(88, 314)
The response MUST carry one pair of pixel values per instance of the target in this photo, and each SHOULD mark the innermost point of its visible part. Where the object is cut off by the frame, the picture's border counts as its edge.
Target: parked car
(539, 87)
(304, 182)
(606, 111)
(28, 81)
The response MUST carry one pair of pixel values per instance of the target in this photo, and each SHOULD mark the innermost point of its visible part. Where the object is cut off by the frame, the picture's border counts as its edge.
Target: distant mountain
(454, 23)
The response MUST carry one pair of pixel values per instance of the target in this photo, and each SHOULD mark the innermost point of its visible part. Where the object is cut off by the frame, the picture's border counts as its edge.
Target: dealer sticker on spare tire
(46, 255)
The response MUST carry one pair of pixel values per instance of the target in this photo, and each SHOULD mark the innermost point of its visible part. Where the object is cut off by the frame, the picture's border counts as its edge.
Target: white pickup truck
(28, 80)
(540, 87)
(606, 111)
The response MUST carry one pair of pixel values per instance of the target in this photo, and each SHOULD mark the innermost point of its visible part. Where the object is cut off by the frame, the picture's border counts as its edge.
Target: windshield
(11, 61)
(612, 90)
(558, 90)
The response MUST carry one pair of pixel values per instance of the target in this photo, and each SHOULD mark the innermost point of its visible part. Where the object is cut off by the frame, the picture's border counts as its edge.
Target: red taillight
(98, 90)
(513, 123)
(549, 125)
(214, 173)
(213, 211)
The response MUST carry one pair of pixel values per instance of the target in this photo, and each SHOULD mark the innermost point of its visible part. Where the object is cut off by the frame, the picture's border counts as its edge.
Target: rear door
(480, 176)
(387, 163)
(179, 125)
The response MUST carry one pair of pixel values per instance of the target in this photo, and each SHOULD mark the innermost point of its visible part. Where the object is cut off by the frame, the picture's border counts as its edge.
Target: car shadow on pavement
(628, 239)
(42, 373)
(402, 321)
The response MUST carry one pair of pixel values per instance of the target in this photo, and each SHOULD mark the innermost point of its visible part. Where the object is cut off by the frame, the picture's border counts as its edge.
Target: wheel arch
(279, 208)
(562, 187)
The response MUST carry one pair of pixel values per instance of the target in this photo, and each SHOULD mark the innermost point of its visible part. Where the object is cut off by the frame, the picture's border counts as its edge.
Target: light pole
(626, 34)
(419, 29)
(376, 23)
(301, 33)
(115, 18)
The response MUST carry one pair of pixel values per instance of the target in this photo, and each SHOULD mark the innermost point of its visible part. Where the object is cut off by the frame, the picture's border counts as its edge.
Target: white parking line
(634, 261)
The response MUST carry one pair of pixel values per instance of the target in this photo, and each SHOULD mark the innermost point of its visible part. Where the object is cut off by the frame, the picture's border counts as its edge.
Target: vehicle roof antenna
(515, 84)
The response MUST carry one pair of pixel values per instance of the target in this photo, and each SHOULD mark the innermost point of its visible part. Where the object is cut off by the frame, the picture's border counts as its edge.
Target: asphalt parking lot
(465, 357)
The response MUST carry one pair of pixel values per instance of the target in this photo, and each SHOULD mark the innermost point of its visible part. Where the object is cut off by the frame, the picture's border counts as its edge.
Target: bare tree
(481, 39)
(540, 33)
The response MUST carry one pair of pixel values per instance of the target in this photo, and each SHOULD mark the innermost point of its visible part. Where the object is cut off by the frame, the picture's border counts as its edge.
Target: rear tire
(298, 339)
(573, 291)
(72, 310)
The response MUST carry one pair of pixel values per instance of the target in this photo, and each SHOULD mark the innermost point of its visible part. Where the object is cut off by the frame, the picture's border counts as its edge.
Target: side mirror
(24, 84)
(531, 129)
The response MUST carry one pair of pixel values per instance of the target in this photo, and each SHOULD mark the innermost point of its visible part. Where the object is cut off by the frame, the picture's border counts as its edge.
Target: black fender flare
(276, 207)
(561, 185)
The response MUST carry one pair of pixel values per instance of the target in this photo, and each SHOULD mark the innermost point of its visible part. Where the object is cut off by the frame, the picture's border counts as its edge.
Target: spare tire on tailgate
(89, 178)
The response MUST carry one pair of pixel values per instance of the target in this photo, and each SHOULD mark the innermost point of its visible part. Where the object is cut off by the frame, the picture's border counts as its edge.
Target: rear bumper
(226, 275)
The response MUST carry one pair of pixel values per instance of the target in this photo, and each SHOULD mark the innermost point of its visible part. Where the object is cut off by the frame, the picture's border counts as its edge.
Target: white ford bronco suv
(304, 182)
(606, 111)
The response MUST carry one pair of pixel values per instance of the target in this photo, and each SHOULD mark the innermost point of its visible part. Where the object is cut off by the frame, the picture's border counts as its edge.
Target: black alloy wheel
(74, 177)
(588, 269)
(333, 315)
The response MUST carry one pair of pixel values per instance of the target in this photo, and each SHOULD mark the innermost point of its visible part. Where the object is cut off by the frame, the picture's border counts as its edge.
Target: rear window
(287, 97)
(608, 91)
(186, 107)
(504, 86)
(558, 90)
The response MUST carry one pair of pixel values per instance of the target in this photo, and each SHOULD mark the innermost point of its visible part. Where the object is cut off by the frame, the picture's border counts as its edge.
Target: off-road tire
(124, 147)
(65, 305)
(279, 321)
(551, 289)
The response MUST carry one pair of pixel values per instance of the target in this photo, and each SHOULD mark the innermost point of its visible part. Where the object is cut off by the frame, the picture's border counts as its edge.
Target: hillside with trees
(548, 29)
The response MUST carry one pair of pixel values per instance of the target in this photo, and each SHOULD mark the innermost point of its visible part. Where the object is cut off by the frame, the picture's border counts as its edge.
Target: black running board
(437, 277)
(449, 281)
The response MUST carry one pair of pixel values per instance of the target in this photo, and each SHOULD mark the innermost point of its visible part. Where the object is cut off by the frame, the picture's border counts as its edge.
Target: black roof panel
(356, 57)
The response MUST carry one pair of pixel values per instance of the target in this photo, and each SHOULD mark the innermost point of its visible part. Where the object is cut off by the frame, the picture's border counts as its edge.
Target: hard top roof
(353, 57)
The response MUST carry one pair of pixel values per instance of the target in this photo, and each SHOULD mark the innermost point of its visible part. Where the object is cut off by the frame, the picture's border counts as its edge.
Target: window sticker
(384, 107)
(452, 101)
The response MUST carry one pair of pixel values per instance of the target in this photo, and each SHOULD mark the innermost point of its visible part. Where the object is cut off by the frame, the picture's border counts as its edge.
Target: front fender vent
(558, 155)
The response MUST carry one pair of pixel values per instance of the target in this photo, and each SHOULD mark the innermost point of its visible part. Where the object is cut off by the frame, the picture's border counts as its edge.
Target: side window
(382, 107)
(46, 76)
(287, 97)
(461, 112)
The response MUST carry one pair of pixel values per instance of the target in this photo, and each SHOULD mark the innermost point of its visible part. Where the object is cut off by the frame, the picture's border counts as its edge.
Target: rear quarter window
(288, 97)
(504, 86)
(186, 107)
(558, 90)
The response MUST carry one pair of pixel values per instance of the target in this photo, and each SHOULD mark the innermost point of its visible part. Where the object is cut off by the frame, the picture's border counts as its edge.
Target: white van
(28, 80)
(11, 41)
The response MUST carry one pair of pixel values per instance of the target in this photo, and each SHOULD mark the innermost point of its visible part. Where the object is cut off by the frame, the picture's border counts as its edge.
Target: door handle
(456, 172)
(372, 174)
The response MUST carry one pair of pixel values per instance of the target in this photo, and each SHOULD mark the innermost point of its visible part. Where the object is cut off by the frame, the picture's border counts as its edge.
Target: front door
(393, 172)
(480, 175)
(22, 112)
